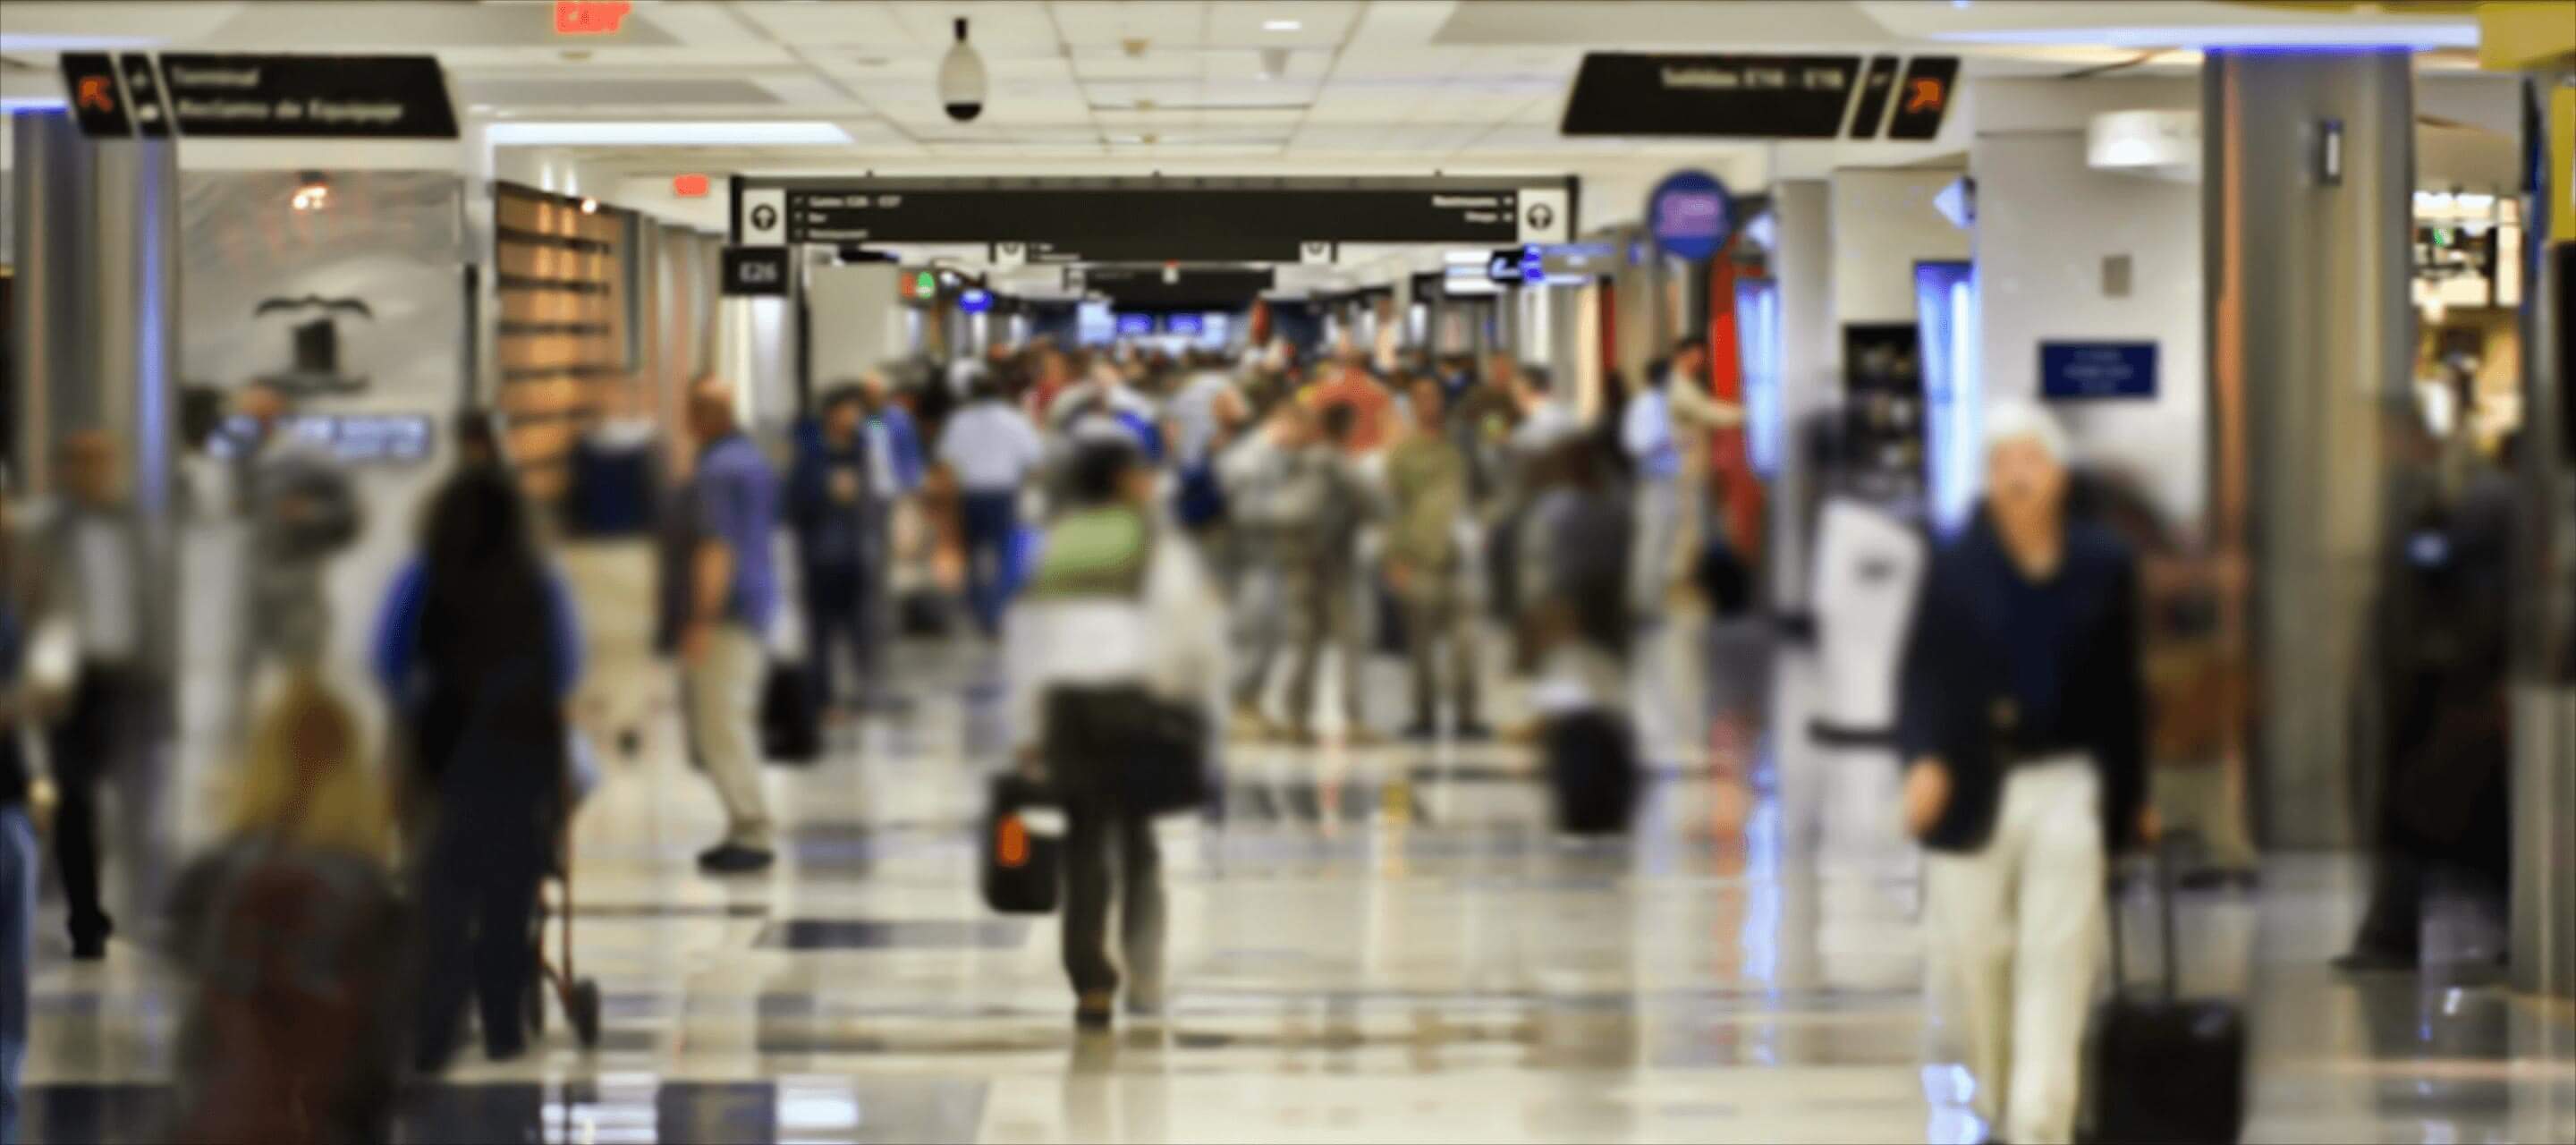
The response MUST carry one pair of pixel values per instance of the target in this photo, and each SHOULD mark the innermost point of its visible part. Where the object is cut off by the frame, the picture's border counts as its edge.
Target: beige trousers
(2016, 929)
(723, 691)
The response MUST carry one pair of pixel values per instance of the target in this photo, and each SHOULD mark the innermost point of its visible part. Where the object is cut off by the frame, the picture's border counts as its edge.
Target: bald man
(725, 605)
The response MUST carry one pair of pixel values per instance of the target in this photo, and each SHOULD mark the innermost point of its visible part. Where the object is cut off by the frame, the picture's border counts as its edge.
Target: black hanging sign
(756, 270)
(1924, 97)
(1873, 97)
(1153, 287)
(365, 97)
(1752, 97)
(98, 102)
(143, 92)
(1122, 222)
(1237, 248)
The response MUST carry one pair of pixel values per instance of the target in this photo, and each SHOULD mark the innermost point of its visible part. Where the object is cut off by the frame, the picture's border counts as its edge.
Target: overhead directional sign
(143, 88)
(1040, 252)
(1091, 220)
(1159, 288)
(1741, 96)
(1874, 86)
(1924, 97)
(376, 97)
(98, 102)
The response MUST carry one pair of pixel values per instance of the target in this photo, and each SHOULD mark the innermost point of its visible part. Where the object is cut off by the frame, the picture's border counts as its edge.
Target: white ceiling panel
(53, 25)
(1285, 24)
(1366, 84)
(1154, 66)
(1666, 24)
(844, 25)
(572, 59)
(999, 29)
(1107, 23)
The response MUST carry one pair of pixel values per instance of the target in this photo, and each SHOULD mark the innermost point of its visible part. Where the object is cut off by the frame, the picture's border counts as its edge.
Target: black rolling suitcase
(1022, 851)
(1592, 771)
(2163, 1069)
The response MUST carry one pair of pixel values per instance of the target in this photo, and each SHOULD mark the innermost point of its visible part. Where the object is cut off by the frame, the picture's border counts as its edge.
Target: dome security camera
(961, 79)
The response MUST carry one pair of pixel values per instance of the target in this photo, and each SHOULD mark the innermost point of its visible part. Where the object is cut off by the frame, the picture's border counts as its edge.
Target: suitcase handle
(2165, 916)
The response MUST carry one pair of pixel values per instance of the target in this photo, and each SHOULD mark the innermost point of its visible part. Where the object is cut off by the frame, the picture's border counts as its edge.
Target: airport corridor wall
(564, 335)
(359, 309)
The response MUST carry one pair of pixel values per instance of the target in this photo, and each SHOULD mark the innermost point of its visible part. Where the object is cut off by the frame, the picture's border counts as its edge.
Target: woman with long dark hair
(482, 706)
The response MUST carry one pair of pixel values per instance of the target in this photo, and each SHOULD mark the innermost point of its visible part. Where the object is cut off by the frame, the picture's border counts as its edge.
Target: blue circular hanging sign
(1690, 215)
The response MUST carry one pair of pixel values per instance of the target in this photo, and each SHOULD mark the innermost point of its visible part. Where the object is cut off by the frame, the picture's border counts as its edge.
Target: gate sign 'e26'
(1690, 215)
(755, 271)
(2078, 370)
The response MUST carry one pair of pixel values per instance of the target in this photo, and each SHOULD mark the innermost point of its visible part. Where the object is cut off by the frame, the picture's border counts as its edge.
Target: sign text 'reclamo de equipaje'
(262, 96)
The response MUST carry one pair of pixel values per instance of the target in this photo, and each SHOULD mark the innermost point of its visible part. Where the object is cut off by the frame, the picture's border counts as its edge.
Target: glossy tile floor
(1370, 946)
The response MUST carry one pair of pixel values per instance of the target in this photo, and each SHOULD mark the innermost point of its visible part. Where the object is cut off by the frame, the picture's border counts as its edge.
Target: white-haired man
(2020, 723)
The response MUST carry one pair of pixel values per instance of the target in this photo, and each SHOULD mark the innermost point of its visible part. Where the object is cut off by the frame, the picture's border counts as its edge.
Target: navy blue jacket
(1956, 687)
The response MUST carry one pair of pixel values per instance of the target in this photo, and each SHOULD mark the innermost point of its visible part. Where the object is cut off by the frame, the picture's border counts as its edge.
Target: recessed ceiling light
(1281, 25)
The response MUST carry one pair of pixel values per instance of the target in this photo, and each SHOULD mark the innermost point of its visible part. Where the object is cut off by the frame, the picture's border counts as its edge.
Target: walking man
(731, 591)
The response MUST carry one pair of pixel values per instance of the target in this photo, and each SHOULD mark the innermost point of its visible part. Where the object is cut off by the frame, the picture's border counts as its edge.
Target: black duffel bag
(1147, 754)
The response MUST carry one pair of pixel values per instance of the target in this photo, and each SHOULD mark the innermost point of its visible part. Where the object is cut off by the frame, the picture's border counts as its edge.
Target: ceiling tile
(1318, 24)
(999, 30)
(859, 25)
(1106, 23)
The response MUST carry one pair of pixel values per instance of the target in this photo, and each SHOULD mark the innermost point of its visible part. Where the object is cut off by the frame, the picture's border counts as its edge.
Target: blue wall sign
(974, 300)
(1533, 265)
(1690, 215)
(2097, 369)
(1135, 325)
(1192, 325)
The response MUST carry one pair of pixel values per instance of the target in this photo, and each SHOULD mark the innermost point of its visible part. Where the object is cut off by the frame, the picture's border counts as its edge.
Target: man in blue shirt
(838, 498)
(732, 590)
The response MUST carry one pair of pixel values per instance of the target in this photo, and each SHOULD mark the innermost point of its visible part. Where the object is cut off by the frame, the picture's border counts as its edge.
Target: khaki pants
(2208, 800)
(1323, 611)
(723, 691)
(1437, 626)
(2016, 928)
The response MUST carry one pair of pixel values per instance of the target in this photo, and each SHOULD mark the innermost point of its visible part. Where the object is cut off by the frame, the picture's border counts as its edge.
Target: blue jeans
(17, 949)
(989, 521)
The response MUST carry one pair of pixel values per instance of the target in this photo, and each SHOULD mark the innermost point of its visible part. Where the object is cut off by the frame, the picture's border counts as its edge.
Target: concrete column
(97, 320)
(97, 309)
(2309, 169)
(1810, 371)
(52, 196)
(2544, 663)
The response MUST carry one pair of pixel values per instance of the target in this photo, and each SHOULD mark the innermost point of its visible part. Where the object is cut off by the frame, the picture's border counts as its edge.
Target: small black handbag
(1023, 846)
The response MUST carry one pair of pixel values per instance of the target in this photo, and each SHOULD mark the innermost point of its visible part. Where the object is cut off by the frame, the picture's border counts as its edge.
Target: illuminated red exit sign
(689, 186)
(589, 17)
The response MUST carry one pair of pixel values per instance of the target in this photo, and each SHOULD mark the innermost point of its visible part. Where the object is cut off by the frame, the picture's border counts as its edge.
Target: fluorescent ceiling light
(32, 103)
(1281, 25)
(666, 133)
(2278, 36)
